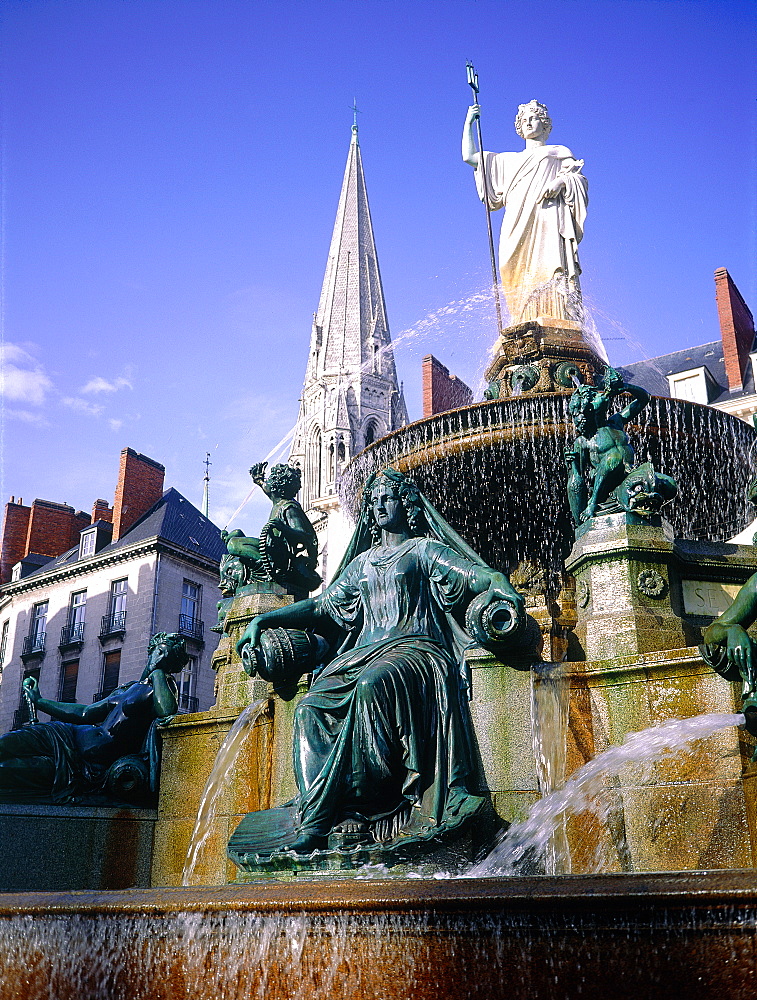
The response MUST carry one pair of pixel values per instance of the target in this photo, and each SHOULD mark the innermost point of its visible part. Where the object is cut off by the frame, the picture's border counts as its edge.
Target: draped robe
(539, 239)
(385, 733)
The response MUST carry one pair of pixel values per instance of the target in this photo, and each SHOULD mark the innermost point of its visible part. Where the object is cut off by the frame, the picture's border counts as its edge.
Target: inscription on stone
(701, 597)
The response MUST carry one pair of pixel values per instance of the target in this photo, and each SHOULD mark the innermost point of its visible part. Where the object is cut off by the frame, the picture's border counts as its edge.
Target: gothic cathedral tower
(351, 395)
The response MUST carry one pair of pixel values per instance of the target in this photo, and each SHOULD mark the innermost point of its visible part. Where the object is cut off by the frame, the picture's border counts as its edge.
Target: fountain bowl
(496, 472)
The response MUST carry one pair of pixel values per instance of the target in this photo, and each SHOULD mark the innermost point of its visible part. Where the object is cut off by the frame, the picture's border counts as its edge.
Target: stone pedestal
(695, 809)
(541, 355)
(234, 688)
(639, 590)
(191, 743)
(62, 847)
(623, 590)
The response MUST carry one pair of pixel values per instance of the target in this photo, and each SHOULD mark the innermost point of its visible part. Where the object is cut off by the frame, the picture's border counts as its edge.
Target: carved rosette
(651, 583)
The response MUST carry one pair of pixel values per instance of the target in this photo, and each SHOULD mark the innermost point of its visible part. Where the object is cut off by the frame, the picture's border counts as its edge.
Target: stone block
(51, 847)
(190, 748)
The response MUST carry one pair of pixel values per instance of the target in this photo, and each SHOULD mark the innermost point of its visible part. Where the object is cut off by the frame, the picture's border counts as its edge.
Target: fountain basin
(496, 472)
(688, 934)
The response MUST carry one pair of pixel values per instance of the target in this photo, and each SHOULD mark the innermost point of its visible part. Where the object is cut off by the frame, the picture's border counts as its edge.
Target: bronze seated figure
(384, 748)
(105, 749)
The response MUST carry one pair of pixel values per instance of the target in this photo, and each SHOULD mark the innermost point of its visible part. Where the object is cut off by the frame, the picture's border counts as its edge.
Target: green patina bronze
(730, 650)
(602, 477)
(286, 553)
(89, 752)
(385, 757)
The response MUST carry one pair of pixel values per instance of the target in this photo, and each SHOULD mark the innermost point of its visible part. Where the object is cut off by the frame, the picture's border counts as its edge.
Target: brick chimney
(13, 544)
(442, 391)
(53, 528)
(736, 327)
(140, 485)
(102, 511)
(45, 528)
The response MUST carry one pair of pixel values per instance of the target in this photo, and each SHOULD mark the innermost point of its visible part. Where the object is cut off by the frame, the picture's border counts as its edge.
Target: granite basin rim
(735, 887)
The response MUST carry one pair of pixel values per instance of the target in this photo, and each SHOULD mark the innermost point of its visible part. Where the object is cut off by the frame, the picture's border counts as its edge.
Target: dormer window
(697, 385)
(95, 537)
(88, 542)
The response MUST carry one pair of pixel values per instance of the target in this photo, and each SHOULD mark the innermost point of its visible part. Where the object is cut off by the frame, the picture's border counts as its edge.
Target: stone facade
(153, 569)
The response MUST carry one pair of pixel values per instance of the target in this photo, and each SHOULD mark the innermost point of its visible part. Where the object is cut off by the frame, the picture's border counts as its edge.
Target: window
(87, 544)
(4, 642)
(118, 594)
(69, 674)
(693, 385)
(77, 608)
(115, 620)
(190, 600)
(39, 621)
(187, 681)
(111, 669)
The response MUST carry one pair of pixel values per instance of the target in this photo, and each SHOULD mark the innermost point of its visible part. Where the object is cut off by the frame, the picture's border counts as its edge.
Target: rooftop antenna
(473, 84)
(206, 480)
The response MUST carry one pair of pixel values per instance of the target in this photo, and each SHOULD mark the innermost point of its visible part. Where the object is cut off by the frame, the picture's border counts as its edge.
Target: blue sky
(170, 174)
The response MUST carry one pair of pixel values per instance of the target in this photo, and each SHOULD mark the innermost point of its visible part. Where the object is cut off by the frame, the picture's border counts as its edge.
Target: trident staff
(473, 84)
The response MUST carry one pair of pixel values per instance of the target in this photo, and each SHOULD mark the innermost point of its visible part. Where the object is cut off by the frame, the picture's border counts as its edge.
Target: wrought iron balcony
(113, 624)
(72, 635)
(34, 645)
(187, 703)
(192, 627)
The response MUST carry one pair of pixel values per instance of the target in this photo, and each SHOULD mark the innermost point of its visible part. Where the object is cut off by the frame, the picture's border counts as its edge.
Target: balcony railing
(187, 702)
(34, 645)
(192, 627)
(113, 624)
(71, 635)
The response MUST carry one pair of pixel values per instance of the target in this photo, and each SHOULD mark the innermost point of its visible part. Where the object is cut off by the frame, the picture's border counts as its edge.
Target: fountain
(627, 868)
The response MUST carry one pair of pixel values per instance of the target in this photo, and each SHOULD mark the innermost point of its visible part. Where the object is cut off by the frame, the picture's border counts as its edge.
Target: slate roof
(652, 373)
(173, 518)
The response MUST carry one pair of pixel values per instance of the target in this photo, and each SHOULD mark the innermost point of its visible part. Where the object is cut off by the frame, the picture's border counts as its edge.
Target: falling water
(529, 843)
(222, 767)
(513, 450)
(550, 698)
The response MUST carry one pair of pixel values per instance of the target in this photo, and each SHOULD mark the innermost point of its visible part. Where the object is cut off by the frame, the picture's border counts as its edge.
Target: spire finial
(355, 112)
(206, 482)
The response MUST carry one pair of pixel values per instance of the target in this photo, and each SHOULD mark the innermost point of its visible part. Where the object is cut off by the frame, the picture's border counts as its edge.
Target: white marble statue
(544, 195)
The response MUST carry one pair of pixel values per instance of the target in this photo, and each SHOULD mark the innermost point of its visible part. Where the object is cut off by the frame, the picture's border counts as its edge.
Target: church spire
(351, 395)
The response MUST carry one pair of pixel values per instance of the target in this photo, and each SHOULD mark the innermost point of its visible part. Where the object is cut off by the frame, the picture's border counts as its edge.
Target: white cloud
(22, 378)
(115, 425)
(100, 384)
(28, 418)
(83, 406)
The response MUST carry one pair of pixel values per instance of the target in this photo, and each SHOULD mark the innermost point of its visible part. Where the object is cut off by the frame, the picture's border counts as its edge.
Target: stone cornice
(85, 567)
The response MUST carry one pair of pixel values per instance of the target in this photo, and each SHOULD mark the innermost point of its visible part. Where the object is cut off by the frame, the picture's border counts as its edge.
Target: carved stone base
(259, 847)
(542, 355)
(638, 590)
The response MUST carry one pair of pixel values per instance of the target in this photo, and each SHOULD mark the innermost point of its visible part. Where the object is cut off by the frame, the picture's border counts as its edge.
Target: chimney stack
(442, 391)
(13, 543)
(736, 327)
(140, 485)
(102, 511)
